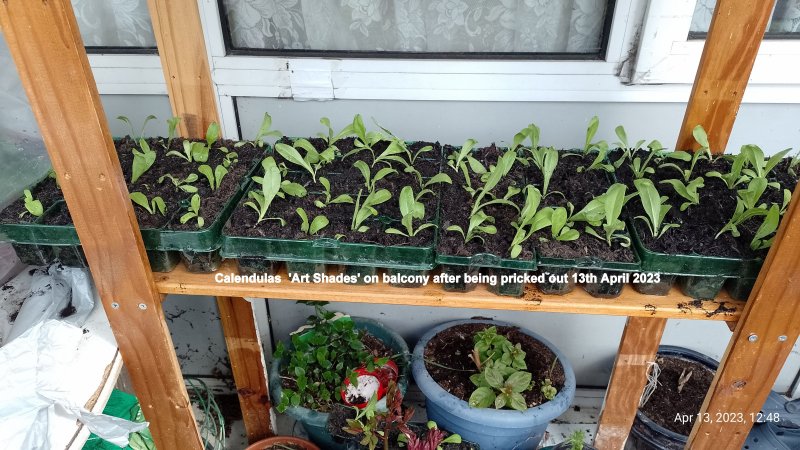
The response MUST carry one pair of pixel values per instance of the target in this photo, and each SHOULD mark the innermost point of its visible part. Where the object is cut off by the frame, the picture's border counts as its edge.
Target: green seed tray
(487, 260)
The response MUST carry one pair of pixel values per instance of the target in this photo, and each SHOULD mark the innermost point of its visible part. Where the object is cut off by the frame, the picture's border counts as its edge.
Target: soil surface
(568, 185)
(451, 348)
(700, 224)
(376, 347)
(284, 446)
(666, 402)
(457, 204)
(176, 200)
(344, 179)
(46, 191)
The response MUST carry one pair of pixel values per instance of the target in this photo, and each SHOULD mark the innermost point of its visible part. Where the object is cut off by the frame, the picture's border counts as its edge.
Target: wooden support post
(46, 45)
(731, 46)
(247, 364)
(638, 346)
(179, 35)
(760, 345)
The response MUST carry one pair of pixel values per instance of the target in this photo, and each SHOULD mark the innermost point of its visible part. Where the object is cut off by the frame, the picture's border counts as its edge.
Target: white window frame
(662, 70)
(666, 55)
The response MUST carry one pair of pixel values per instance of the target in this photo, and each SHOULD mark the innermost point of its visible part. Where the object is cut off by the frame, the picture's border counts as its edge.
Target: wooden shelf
(630, 303)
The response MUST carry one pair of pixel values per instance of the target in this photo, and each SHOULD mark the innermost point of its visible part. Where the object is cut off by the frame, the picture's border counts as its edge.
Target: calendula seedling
(133, 134)
(439, 178)
(329, 200)
(735, 176)
(640, 167)
(271, 186)
(591, 130)
(747, 206)
(32, 206)
(687, 191)
(144, 157)
(263, 132)
(531, 219)
(331, 137)
(182, 184)
(561, 224)
(172, 129)
(214, 176)
(151, 206)
(315, 226)
(655, 206)
(364, 140)
(599, 162)
(787, 197)
(212, 134)
(230, 158)
(546, 159)
(194, 212)
(369, 180)
(603, 211)
(627, 150)
(410, 209)
(793, 164)
(479, 223)
(463, 160)
(312, 161)
(769, 226)
(366, 209)
(759, 167)
(192, 152)
(702, 153)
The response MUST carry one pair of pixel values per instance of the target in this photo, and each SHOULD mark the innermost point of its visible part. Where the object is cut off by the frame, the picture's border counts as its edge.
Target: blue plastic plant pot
(490, 428)
(315, 422)
(648, 435)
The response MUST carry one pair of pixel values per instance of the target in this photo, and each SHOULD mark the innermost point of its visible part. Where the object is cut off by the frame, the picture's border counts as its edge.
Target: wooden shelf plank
(630, 303)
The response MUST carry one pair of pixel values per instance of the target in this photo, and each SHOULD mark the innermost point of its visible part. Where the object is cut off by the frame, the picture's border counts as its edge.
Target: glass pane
(114, 23)
(23, 158)
(785, 18)
(473, 26)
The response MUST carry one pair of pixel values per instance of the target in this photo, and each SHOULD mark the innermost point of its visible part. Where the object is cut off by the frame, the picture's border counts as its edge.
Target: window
(573, 29)
(785, 21)
(119, 26)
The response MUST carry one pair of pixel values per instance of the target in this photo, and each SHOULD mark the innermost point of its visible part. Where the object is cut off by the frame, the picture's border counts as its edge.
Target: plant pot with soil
(483, 228)
(676, 388)
(574, 442)
(282, 443)
(308, 375)
(354, 200)
(182, 191)
(705, 219)
(491, 382)
(368, 427)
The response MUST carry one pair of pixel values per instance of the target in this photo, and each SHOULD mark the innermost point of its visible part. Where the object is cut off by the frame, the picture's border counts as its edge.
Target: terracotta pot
(266, 443)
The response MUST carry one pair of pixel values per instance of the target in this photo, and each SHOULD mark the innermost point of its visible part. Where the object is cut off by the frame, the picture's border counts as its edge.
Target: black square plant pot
(361, 273)
(71, 256)
(201, 262)
(34, 255)
(510, 289)
(257, 266)
(661, 287)
(740, 288)
(458, 266)
(702, 288)
(558, 280)
(603, 289)
(305, 268)
(456, 282)
(163, 261)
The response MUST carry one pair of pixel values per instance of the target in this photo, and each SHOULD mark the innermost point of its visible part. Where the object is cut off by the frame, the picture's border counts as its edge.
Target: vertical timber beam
(181, 46)
(766, 332)
(247, 364)
(734, 36)
(638, 346)
(46, 45)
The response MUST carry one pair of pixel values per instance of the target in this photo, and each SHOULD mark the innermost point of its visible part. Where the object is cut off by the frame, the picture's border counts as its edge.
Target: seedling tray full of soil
(692, 248)
(337, 243)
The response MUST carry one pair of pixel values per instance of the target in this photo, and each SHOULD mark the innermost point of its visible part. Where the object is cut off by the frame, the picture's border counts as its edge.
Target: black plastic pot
(559, 280)
(703, 288)
(662, 287)
(648, 435)
(604, 288)
(512, 288)
(360, 272)
(201, 262)
(34, 255)
(258, 266)
(304, 268)
(740, 288)
(163, 261)
(460, 284)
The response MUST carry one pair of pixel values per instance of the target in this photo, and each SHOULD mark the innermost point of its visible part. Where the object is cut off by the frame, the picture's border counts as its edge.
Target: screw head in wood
(752, 338)
(782, 338)
(142, 306)
(115, 305)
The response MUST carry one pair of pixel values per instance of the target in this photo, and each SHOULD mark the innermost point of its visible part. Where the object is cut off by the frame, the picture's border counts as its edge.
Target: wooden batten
(46, 45)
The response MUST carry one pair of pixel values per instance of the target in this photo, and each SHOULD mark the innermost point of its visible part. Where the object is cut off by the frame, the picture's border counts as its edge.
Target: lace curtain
(114, 23)
(785, 17)
(573, 26)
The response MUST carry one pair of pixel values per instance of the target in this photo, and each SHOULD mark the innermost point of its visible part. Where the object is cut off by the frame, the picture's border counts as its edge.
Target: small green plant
(757, 165)
(431, 440)
(312, 161)
(458, 160)
(687, 191)
(599, 162)
(410, 208)
(735, 176)
(322, 357)
(144, 157)
(370, 181)
(365, 140)
(366, 209)
(479, 223)
(769, 226)
(214, 176)
(640, 167)
(503, 373)
(32, 206)
(546, 159)
(263, 132)
(561, 224)
(192, 152)
(531, 219)
(230, 157)
(747, 206)
(212, 134)
(194, 212)
(271, 186)
(603, 211)
(328, 198)
(591, 130)
(655, 207)
(183, 184)
(315, 226)
(172, 129)
(575, 440)
(622, 144)
(331, 137)
(156, 205)
(793, 164)
(692, 158)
